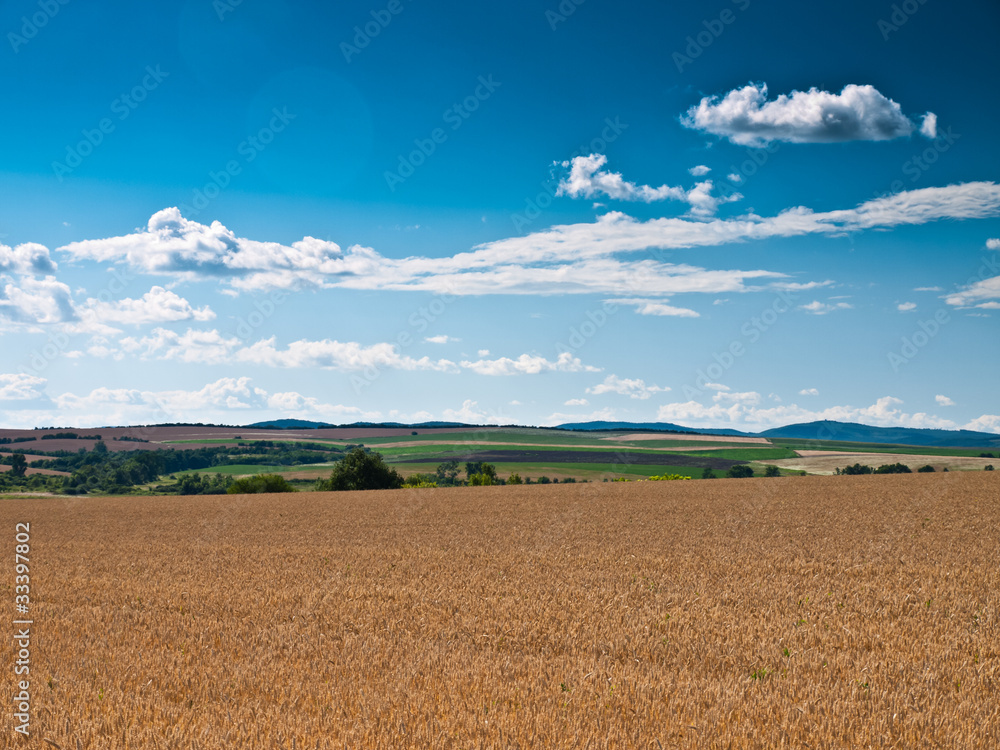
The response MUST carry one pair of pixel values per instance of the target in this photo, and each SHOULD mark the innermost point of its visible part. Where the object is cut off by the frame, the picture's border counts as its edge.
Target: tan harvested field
(827, 462)
(685, 436)
(798, 612)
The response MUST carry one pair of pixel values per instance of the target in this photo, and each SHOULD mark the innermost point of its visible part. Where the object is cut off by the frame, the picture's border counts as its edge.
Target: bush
(771, 471)
(988, 467)
(485, 475)
(925, 469)
(893, 469)
(707, 473)
(260, 483)
(740, 471)
(361, 470)
(514, 479)
(856, 469)
(668, 477)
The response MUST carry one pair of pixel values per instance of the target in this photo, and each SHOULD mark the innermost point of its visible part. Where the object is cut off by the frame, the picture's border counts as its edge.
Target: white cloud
(747, 398)
(483, 353)
(809, 392)
(20, 387)
(928, 289)
(442, 339)
(993, 244)
(700, 171)
(31, 301)
(347, 356)
(158, 305)
(716, 387)
(528, 364)
(29, 259)
(744, 413)
(631, 387)
(601, 415)
(577, 402)
(985, 423)
(735, 177)
(192, 346)
(564, 259)
(822, 308)
(214, 402)
(978, 294)
(472, 414)
(745, 117)
(906, 306)
(944, 401)
(587, 179)
(928, 128)
(655, 307)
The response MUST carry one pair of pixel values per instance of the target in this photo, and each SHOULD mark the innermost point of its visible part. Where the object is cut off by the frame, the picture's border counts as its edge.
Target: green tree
(361, 470)
(740, 471)
(514, 479)
(447, 473)
(707, 473)
(486, 476)
(988, 467)
(258, 484)
(771, 471)
(18, 465)
(926, 469)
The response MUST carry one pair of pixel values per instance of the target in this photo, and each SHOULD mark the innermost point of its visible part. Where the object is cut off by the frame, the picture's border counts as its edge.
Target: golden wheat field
(835, 612)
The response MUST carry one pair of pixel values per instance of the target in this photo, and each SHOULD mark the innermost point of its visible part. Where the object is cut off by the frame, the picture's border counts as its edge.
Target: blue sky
(730, 214)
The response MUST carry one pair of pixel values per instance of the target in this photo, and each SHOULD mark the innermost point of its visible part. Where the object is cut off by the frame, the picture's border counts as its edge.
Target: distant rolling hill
(823, 431)
(862, 433)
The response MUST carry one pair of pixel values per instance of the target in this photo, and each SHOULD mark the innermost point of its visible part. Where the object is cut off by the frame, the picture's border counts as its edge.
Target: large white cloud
(31, 301)
(858, 113)
(564, 259)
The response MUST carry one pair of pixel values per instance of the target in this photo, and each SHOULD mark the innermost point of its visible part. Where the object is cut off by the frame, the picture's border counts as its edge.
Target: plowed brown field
(797, 612)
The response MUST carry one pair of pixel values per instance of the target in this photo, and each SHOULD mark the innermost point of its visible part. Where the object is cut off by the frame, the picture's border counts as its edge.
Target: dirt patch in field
(827, 462)
(46, 472)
